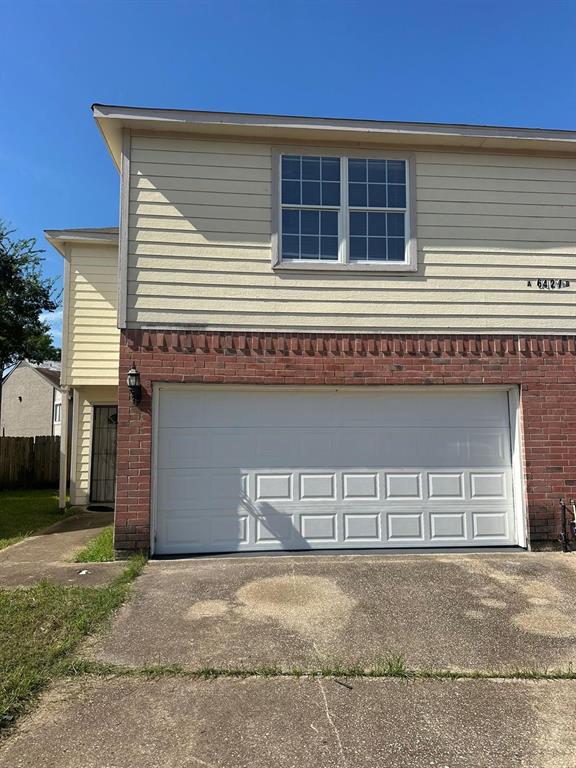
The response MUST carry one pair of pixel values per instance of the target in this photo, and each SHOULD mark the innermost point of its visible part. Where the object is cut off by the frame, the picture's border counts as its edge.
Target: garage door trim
(514, 411)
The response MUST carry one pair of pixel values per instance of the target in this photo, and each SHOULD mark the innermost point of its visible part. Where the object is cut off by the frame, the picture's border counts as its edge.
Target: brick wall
(544, 367)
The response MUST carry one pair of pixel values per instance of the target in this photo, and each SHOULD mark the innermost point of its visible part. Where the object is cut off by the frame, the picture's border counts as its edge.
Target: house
(90, 353)
(31, 401)
(341, 334)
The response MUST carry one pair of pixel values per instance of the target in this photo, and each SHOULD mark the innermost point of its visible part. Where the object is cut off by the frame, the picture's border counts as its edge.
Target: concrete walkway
(48, 555)
(289, 723)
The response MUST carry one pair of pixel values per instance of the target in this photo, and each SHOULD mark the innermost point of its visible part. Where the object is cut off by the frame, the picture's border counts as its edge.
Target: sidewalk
(48, 555)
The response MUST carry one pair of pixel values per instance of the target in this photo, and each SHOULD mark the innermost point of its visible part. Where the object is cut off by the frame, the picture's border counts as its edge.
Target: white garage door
(263, 469)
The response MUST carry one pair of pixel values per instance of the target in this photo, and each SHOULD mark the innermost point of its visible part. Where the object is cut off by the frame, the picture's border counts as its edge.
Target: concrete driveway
(490, 612)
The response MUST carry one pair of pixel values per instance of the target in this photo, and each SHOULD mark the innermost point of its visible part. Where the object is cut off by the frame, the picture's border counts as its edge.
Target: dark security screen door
(103, 474)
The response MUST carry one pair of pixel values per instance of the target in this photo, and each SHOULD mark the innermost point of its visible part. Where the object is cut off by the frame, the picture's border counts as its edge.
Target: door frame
(515, 430)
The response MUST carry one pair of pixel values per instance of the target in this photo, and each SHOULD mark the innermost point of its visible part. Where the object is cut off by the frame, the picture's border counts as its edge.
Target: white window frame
(343, 263)
(57, 413)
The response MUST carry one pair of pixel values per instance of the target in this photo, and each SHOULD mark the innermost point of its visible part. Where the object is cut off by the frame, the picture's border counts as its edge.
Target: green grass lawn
(99, 550)
(24, 512)
(41, 626)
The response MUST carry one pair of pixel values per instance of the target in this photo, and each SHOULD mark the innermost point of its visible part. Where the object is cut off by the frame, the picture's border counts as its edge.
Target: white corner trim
(124, 228)
(518, 483)
(65, 319)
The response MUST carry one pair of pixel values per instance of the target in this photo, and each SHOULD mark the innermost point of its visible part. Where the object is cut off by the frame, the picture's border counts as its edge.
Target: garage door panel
(206, 488)
(249, 485)
(273, 408)
(184, 447)
(448, 526)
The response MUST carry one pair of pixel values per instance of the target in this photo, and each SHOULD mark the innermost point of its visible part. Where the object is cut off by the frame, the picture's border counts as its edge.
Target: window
(310, 207)
(57, 413)
(344, 212)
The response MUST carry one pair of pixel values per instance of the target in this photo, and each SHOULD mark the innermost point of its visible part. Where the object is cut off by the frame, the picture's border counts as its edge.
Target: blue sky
(498, 62)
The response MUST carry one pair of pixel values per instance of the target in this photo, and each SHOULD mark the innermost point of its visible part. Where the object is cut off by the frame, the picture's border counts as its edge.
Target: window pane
(330, 193)
(377, 183)
(290, 222)
(291, 192)
(396, 172)
(310, 247)
(329, 222)
(377, 195)
(357, 195)
(290, 167)
(395, 224)
(357, 170)
(329, 247)
(330, 169)
(377, 171)
(290, 246)
(396, 196)
(357, 248)
(377, 224)
(396, 249)
(357, 223)
(310, 193)
(311, 168)
(310, 222)
(377, 248)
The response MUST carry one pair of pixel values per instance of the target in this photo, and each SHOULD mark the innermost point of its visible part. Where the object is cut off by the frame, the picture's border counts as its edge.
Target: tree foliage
(25, 295)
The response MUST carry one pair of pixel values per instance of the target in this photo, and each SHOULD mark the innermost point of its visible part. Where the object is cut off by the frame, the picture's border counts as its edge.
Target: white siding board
(179, 144)
(204, 186)
(222, 173)
(421, 323)
(393, 294)
(238, 223)
(494, 172)
(201, 158)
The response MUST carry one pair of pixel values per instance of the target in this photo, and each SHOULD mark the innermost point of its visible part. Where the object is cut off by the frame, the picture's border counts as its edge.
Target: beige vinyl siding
(199, 249)
(87, 398)
(93, 339)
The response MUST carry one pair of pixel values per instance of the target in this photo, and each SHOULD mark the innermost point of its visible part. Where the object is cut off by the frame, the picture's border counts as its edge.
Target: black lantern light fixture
(133, 382)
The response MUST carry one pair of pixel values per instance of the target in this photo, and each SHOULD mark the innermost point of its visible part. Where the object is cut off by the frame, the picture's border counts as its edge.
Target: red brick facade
(543, 367)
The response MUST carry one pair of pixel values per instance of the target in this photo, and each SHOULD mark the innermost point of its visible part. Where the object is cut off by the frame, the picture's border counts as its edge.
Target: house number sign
(548, 284)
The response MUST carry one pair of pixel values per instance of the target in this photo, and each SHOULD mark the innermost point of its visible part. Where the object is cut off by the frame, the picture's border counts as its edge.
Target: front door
(103, 471)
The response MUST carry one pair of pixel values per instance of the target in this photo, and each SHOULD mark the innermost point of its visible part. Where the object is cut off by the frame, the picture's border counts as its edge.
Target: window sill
(326, 266)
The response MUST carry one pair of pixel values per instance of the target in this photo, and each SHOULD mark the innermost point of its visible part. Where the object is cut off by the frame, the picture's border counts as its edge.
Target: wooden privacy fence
(29, 462)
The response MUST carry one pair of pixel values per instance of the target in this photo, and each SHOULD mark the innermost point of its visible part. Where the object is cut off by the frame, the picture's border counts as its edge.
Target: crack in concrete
(333, 726)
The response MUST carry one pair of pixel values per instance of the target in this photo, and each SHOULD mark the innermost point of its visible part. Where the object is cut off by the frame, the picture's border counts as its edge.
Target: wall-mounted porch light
(133, 382)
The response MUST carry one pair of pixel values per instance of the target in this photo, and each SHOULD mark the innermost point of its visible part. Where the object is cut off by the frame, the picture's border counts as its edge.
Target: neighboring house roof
(50, 374)
(59, 237)
(112, 120)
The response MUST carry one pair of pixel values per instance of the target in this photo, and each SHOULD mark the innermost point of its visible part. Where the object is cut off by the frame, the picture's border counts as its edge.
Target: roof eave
(112, 120)
(58, 238)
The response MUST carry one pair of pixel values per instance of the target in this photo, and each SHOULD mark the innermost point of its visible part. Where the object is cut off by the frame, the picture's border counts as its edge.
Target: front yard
(41, 626)
(25, 512)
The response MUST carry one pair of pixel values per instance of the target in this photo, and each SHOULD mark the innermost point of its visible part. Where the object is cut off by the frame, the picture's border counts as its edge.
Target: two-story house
(341, 334)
